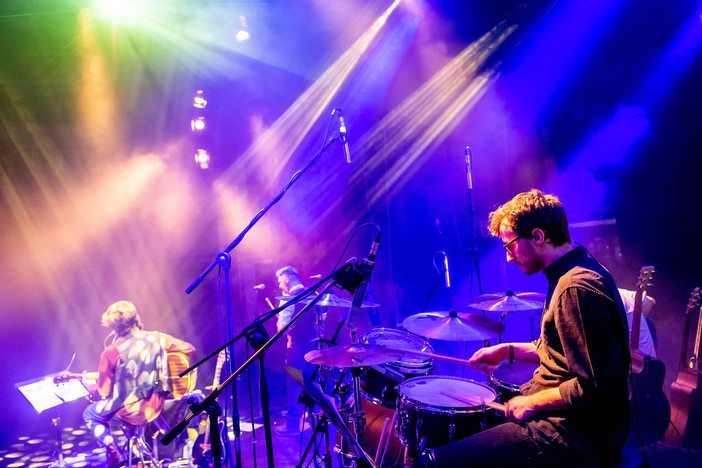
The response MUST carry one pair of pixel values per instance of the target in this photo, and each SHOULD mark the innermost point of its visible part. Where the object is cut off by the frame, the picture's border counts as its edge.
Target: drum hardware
(453, 326)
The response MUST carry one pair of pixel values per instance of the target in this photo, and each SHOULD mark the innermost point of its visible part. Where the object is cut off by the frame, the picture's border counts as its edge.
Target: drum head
(401, 339)
(442, 393)
(512, 376)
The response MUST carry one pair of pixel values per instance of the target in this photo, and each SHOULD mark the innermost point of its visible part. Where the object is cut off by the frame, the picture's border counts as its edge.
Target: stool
(137, 445)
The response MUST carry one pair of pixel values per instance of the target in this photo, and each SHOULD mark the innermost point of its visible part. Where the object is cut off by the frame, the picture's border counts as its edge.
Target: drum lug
(418, 429)
(383, 392)
(452, 431)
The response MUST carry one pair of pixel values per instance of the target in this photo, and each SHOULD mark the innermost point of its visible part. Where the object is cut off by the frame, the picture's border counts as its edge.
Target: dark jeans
(507, 445)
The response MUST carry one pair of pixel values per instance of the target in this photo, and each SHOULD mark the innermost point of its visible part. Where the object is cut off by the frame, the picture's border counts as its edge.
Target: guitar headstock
(645, 276)
(694, 301)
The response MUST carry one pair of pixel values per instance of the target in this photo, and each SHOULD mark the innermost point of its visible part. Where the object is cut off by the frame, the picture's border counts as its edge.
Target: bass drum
(434, 411)
(507, 378)
(379, 383)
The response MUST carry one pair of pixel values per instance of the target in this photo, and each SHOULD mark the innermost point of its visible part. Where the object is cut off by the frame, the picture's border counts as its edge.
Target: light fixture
(197, 124)
(243, 34)
(202, 157)
(199, 101)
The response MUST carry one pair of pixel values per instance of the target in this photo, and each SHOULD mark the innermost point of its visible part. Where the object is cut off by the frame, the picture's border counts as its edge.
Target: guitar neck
(643, 282)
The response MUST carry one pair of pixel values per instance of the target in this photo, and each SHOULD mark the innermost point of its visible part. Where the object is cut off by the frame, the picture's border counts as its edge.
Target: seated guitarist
(132, 376)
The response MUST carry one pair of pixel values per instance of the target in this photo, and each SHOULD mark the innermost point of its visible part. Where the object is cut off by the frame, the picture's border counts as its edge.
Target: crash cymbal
(453, 326)
(353, 355)
(329, 300)
(508, 302)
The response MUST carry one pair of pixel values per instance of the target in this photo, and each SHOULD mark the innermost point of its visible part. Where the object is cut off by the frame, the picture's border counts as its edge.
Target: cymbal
(329, 300)
(453, 326)
(508, 302)
(353, 355)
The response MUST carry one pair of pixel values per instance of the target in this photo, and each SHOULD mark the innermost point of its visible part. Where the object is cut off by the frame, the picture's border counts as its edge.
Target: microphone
(342, 134)
(447, 276)
(260, 286)
(366, 268)
(469, 172)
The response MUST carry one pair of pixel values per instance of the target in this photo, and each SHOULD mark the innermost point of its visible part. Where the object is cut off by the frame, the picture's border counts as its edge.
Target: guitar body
(685, 394)
(649, 406)
(686, 416)
(180, 386)
(202, 450)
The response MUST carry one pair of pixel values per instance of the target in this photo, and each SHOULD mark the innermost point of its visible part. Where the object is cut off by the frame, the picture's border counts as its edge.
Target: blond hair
(121, 316)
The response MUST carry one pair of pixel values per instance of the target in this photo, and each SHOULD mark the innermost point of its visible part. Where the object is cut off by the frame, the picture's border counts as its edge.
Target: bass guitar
(650, 409)
(685, 394)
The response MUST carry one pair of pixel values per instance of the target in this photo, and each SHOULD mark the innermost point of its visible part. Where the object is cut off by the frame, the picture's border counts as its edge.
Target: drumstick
(431, 355)
(380, 444)
(386, 444)
(490, 404)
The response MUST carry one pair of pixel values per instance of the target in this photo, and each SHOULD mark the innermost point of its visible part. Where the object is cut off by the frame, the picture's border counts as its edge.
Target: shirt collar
(564, 263)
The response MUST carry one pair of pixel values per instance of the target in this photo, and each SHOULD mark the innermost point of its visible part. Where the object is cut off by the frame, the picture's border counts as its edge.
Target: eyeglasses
(509, 244)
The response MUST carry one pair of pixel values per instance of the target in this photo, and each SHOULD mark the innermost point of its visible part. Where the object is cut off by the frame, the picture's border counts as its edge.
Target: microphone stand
(340, 274)
(474, 249)
(223, 260)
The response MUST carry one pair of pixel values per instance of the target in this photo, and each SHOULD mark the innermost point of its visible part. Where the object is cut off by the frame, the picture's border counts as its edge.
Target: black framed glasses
(509, 244)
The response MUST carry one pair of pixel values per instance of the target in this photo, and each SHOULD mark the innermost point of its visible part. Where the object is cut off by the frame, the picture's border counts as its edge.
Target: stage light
(199, 101)
(243, 34)
(202, 157)
(118, 11)
(198, 124)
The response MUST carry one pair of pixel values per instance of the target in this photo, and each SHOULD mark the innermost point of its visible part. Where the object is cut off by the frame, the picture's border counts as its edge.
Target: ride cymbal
(329, 300)
(353, 355)
(508, 302)
(453, 326)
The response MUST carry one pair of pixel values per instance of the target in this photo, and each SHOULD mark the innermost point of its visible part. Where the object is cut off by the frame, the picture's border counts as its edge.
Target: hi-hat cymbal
(453, 326)
(508, 302)
(329, 300)
(353, 355)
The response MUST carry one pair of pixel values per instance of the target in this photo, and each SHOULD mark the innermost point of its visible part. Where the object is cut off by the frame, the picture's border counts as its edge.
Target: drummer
(576, 406)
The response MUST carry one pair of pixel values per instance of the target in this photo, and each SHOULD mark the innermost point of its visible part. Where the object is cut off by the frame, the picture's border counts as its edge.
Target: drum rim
(414, 361)
(403, 398)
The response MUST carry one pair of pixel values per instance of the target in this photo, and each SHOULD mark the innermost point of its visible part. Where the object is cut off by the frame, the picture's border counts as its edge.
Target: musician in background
(575, 410)
(132, 376)
(300, 340)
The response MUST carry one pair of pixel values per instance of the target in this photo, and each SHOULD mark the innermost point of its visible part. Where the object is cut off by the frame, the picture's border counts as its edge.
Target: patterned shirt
(133, 375)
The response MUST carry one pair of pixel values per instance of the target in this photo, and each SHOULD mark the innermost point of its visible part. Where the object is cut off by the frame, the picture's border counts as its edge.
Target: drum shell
(425, 425)
(508, 378)
(379, 383)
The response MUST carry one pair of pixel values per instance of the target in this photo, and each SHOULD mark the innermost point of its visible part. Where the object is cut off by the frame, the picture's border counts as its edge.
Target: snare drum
(379, 383)
(507, 378)
(436, 410)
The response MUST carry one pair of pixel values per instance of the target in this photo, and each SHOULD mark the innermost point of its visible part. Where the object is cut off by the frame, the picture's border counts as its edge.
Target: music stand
(328, 407)
(49, 392)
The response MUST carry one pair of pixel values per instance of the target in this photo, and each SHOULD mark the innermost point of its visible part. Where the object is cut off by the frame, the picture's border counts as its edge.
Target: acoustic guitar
(177, 363)
(650, 410)
(685, 395)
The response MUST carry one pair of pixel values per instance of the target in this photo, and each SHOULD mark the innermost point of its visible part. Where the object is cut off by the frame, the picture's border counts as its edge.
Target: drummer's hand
(487, 359)
(519, 408)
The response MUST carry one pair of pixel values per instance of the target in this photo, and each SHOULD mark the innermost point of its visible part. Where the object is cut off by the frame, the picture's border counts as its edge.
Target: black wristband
(511, 354)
